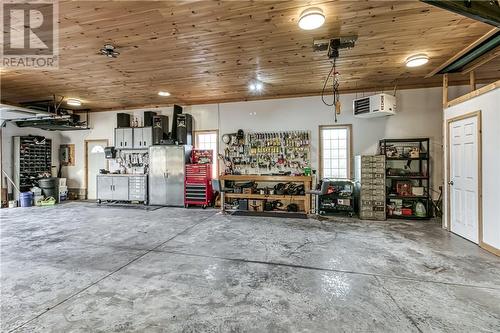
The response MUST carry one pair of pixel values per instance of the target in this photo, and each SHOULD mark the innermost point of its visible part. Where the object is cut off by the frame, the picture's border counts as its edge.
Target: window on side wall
(335, 151)
(208, 140)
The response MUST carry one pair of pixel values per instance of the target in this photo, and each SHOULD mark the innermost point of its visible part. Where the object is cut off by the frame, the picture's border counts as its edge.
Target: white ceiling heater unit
(379, 105)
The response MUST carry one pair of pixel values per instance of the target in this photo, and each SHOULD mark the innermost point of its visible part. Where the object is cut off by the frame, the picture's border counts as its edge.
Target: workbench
(305, 200)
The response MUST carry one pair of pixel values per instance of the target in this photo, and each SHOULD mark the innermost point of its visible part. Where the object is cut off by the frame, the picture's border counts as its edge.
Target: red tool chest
(198, 185)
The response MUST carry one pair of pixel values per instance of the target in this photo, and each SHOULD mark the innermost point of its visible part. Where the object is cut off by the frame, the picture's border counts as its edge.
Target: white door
(463, 179)
(95, 162)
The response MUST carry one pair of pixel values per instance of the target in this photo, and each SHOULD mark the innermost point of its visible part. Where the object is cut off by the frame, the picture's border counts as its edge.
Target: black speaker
(177, 112)
(160, 129)
(122, 120)
(185, 129)
(148, 118)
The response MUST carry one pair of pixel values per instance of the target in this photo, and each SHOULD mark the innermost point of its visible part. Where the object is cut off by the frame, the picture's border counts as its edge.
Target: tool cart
(340, 198)
(198, 183)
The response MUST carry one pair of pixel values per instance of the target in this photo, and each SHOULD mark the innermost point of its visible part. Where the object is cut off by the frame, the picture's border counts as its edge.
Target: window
(335, 152)
(208, 140)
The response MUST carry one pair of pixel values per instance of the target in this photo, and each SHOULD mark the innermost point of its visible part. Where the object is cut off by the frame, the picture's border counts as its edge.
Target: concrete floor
(80, 268)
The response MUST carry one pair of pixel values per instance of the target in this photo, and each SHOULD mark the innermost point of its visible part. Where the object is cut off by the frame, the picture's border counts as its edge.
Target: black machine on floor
(341, 198)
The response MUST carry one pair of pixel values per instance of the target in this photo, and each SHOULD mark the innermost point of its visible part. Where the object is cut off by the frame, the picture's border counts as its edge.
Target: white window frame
(349, 155)
(215, 165)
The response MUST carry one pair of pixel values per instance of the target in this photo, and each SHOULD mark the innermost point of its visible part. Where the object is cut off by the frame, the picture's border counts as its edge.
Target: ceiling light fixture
(311, 18)
(164, 93)
(73, 102)
(256, 86)
(417, 60)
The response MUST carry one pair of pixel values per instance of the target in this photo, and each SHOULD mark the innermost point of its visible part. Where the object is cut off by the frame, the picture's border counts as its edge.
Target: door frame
(479, 173)
(86, 165)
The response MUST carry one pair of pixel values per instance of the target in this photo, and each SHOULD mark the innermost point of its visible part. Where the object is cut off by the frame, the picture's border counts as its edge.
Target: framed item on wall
(67, 154)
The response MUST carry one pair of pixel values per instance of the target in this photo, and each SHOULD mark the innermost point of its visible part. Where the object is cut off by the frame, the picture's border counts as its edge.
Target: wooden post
(222, 197)
(472, 80)
(445, 90)
(307, 202)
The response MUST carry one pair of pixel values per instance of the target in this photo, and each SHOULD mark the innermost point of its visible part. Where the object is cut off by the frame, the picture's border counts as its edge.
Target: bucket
(12, 204)
(49, 186)
(25, 199)
(48, 182)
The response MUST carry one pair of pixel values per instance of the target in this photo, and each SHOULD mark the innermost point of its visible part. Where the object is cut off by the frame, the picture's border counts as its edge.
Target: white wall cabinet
(133, 137)
(124, 138)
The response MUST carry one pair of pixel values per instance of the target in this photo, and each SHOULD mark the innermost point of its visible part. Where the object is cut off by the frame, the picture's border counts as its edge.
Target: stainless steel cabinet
(157, 175)
(147, 136)
(142, 137)
(166, 174)
(124, 138)
(133, 137)
(175, 176)
(138, 141)
(137, 188)
(122, 188)
(104, 188)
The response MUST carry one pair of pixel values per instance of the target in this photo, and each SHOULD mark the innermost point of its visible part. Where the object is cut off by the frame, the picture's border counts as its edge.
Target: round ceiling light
(256, 86)
(164, 93)
(417, 60)
(311, 18)
(73, 102)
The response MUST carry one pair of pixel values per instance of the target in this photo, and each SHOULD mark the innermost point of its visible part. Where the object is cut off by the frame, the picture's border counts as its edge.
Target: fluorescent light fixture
(311, 18)
(164, 93)
(417, 60)
(73, 102)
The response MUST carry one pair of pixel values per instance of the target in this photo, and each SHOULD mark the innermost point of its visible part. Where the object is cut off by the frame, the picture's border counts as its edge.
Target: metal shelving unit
(415, 173)
(32, 161)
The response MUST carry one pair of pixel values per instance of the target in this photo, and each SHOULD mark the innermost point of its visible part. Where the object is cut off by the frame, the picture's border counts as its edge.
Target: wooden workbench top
(267, 178)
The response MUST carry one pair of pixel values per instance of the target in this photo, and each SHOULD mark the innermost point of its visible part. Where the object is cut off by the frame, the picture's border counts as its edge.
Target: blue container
(26, 199)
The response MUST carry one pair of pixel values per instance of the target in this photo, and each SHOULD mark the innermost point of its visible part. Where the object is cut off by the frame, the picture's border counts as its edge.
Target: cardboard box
(247, 190)
(256, 205)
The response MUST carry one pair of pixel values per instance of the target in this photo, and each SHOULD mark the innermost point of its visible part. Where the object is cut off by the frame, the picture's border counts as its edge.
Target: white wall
(12, 130)
(419, 115)
(488, 105)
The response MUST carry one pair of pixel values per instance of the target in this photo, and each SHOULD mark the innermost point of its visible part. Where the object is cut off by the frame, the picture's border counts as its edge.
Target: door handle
(451, 183)
(140, 143)
(144, 143)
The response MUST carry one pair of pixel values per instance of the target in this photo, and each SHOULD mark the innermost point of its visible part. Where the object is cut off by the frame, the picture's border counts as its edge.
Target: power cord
(335, 88)
(324, 85)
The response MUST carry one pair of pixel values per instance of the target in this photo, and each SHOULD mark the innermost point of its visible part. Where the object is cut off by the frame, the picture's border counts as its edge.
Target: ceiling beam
(487, 11)
(462, 52)
(485, 58)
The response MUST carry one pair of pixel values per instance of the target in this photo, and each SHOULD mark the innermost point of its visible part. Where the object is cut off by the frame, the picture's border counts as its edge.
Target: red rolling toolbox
(198, 185)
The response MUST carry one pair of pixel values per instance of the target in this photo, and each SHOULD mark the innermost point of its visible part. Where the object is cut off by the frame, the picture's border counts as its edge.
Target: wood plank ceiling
(209, 51)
